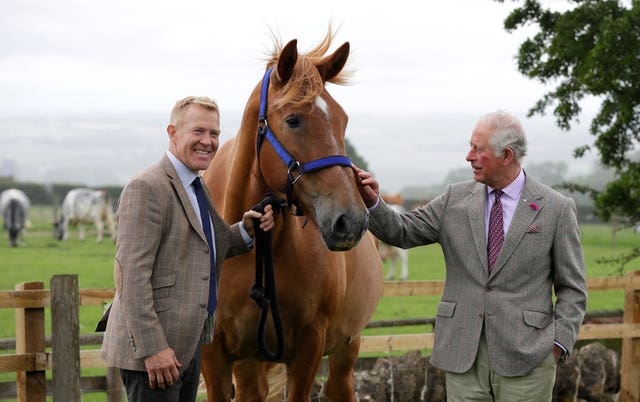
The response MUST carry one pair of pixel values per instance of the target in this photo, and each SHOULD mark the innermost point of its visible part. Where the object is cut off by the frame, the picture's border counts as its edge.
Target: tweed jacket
(161, 270)
(541, 253)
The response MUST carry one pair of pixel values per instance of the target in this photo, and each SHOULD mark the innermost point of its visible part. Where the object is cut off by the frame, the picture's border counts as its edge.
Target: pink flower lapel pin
(534, 206)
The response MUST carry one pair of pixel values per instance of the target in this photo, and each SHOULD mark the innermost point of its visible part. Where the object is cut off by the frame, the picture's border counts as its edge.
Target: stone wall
(591, 374)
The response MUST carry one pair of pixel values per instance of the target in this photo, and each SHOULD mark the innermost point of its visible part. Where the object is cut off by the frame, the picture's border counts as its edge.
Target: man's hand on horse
(367, 185)
(266, 220)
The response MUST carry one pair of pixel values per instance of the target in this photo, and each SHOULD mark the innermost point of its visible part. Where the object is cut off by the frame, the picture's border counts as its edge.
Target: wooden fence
(31, 360)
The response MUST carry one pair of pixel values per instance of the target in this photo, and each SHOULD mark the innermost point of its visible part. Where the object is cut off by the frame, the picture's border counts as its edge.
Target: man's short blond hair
(181, 106)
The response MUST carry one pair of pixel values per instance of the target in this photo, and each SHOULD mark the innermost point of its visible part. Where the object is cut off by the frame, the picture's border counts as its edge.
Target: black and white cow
(84, 205)
(14, 207)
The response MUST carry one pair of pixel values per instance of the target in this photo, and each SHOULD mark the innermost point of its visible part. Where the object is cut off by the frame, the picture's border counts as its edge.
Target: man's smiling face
(195, 138)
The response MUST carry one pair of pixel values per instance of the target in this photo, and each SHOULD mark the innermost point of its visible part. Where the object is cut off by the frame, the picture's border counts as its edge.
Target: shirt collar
(514, 189)
(184, 173)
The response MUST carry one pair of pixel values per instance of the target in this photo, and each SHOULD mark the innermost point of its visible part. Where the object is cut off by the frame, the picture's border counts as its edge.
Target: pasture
(44, 256)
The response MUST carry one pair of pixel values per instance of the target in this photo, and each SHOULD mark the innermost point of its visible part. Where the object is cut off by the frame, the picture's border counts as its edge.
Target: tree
(548, 172)
(354, 156)
(592, 49)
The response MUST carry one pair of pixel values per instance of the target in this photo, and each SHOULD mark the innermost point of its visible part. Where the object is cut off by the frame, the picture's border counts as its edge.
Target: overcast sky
(142, 55)
(411, 58)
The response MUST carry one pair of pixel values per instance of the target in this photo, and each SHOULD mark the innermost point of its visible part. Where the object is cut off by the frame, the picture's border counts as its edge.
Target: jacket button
(205, 277)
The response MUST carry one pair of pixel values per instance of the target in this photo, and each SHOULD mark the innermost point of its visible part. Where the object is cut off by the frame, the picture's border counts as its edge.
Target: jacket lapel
(478, 200)
(522, 219)
(183, 198)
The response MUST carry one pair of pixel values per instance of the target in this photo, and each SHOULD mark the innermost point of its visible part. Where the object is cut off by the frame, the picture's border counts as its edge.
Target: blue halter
(295, 168)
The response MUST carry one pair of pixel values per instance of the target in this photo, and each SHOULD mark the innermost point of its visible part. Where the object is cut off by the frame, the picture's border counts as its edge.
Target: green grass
(43, 256)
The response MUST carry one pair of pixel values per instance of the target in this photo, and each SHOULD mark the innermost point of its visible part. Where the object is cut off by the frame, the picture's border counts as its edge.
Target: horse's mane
(305, 83)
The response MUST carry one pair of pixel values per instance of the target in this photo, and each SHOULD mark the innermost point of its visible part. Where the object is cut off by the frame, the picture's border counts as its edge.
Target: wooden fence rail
(31, 361)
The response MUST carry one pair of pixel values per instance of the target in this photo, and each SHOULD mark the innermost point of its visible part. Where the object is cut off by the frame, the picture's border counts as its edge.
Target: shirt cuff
(375, 205)
(248, 240)
(565, 352)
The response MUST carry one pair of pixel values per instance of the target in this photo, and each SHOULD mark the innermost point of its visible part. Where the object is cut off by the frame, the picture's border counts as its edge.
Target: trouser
(481, 383)
(184, 390)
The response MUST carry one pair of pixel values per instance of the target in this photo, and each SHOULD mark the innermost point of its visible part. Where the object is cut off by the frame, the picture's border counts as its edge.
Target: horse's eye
(293, 121)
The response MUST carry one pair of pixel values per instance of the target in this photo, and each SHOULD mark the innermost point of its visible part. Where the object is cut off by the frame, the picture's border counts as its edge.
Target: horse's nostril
(342, 225)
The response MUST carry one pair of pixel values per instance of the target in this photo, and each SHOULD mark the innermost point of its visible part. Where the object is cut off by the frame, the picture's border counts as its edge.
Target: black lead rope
(263, 291)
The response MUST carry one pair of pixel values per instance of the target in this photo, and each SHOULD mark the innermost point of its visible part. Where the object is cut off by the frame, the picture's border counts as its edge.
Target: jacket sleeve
(140, 228)
(569, 277)
(417, 227)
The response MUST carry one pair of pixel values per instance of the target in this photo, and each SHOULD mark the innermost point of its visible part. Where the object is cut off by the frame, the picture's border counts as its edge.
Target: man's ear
(171, 130)
(509, 156)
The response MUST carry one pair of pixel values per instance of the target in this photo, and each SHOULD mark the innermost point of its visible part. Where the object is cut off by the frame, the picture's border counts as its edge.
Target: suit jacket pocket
(446, 309)
(537, 319)
(162, 291)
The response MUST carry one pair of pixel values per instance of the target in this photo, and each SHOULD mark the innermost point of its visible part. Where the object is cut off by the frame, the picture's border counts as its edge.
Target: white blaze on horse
(14, 207)
(395, 255)
(85, 206)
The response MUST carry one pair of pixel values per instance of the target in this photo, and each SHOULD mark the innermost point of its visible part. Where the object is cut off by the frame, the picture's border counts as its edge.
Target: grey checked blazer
(541, 252)
(161, 270)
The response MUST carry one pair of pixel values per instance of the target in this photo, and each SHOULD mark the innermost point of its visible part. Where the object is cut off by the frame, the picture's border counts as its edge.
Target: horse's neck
(245, 186)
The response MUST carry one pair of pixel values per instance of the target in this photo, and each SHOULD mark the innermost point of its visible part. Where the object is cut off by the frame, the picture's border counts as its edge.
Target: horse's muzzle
(345, 232)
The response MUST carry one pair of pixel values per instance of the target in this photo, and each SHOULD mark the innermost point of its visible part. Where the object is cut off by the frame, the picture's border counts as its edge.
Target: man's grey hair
(507, 132)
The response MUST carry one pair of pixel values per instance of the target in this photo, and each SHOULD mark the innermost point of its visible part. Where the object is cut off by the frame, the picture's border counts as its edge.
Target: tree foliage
(355, 157)
(590, 50)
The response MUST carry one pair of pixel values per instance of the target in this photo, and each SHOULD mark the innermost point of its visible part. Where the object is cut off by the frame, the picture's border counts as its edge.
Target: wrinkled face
(487, 168)
(194, 139)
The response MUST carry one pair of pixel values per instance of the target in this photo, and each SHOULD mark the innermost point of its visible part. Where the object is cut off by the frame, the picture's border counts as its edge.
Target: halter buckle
(262, 126)
(295, 165)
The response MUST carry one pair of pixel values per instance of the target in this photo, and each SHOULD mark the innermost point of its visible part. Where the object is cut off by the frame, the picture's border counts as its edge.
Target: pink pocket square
(533, 229)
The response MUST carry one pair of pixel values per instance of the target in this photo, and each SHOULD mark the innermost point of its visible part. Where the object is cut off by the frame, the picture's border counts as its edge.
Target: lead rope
(263, 291)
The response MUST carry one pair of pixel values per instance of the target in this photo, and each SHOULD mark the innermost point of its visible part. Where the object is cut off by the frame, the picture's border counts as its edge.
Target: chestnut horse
(327, 270)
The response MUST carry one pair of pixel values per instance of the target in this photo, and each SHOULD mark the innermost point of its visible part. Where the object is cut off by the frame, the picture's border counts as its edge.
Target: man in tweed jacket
(498, 333)
(162, 265)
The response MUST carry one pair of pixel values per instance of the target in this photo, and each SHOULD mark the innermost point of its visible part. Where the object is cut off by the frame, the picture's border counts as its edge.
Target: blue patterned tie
(496, 230)
(206, 226)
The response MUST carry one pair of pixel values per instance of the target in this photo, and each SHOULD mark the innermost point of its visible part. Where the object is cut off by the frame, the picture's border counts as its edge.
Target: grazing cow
(395, 255)
(83, 205)
(14, 206)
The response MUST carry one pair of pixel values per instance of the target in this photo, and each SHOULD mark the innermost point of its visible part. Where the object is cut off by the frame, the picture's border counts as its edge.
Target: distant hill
(401, 150)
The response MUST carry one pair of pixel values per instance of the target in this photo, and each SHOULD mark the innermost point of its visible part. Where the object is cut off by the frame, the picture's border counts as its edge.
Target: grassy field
(43, 256)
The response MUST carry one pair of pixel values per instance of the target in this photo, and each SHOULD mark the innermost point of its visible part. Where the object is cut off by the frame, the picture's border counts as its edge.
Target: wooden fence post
(630, 364)
(30, 385)
(65, 338)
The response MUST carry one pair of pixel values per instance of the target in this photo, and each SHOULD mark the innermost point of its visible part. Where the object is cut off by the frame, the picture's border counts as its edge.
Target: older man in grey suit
(509, 243)
(164, 306)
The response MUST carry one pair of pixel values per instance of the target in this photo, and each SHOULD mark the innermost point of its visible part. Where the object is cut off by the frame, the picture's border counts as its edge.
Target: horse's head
(306, 158)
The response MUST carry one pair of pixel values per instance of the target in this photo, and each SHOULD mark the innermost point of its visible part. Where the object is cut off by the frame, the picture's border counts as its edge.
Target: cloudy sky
(412, 60)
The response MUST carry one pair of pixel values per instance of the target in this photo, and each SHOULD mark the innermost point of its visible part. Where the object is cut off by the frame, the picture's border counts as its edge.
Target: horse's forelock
(305, 84)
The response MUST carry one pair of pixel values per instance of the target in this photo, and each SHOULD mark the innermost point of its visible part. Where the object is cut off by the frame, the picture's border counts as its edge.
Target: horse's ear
(287, 60)
(331, 66)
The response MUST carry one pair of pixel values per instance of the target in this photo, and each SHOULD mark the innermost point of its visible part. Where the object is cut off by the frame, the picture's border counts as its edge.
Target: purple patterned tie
(496, 230)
